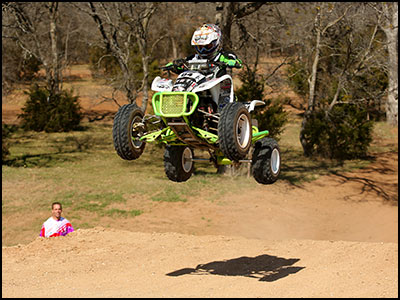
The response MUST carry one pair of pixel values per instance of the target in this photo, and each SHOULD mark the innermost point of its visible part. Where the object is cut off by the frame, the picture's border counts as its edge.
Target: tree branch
(250, 8)
(336, 21)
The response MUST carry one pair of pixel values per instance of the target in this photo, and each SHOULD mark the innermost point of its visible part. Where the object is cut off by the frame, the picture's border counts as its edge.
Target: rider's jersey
(229, 58)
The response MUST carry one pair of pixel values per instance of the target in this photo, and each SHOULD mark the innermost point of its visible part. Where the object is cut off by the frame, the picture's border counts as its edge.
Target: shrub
(50, 113)
(297, 78)
(30, 67)
(6, 131)
(272, 117)
(344, 133)
(252, 86)
(4, 145)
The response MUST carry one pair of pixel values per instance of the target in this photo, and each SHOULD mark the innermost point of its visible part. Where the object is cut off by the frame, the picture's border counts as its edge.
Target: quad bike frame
(180, 132)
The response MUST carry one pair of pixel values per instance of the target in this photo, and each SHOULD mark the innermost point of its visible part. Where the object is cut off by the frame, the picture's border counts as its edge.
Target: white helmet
(207, 40)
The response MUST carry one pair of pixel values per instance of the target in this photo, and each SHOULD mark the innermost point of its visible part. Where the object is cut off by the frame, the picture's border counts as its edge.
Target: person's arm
(42, 231)
(69, 228)
(231, 60)
(177, 66)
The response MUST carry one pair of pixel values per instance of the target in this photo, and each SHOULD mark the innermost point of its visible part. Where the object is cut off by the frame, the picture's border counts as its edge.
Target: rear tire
(266, 161)
(125, 136)
(234, 131)
(178, 163)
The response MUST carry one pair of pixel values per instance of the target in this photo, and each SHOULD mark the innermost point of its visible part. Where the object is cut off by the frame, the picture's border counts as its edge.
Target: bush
(252, 86)
(272, 117)
(344, 133)
(6, 131)
(30, 67)
(50, 113)
(4, 145)
(297, 78)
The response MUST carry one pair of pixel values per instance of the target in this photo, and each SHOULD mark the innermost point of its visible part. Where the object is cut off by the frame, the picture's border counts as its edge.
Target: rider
(207, 41)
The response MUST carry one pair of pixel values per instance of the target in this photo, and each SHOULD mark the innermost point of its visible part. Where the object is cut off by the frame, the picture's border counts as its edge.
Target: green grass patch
(168, 195)
(115, 212)
(82, 170)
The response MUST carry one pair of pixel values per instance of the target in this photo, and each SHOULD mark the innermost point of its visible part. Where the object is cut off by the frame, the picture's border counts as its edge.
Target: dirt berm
(114, 263)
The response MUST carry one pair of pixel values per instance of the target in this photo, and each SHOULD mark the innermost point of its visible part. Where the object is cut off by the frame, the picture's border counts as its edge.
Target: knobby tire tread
(261, 161)
(226, 131)
(173, 164)
(121, 135)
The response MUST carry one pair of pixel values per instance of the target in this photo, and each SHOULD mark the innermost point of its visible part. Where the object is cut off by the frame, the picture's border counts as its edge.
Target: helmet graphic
(207, 40)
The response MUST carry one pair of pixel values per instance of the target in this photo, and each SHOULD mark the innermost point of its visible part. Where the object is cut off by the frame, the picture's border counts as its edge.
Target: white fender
(250, 106)
(161, 84)
(214, 88)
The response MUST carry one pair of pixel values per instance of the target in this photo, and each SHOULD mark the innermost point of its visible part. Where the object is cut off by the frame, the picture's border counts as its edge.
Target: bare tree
(33, 26)
(229, 13)
(122, 25)
(388, 21)
(323, 21)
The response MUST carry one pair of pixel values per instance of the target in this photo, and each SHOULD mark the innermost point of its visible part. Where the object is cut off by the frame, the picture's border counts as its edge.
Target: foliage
(30, 67)
(51, 113)
(16, 66)
(344, 133)
(101, 62)
(271, 118)
(252, 86)
(6, 132)
(373, 95)
(297, 78)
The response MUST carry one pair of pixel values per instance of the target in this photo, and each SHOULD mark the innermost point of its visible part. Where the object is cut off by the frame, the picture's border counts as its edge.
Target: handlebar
(224, 65)
(183, 63)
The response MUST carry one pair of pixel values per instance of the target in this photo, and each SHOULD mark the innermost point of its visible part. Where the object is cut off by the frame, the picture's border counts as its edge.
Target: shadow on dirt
(92, 115)
(38, 160)
(264, 267)
(369, 185)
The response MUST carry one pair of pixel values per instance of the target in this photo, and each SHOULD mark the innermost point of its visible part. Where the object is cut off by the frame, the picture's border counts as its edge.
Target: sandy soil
(115, 263)
(334, 237)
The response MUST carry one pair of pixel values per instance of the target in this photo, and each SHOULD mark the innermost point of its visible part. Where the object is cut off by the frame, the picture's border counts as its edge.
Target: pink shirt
(56, 227)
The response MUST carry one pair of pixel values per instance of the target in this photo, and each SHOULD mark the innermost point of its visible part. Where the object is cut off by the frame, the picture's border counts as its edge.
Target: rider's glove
(179, 62)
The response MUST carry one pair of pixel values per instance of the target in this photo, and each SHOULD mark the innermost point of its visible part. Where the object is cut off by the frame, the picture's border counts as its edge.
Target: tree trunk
(391, 31)
(54, 80)
(174, 48)
(145, 95)
(227, 25)
(312, 85)
(313, 79)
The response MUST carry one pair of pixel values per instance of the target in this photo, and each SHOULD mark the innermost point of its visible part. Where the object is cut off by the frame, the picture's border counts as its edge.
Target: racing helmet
(207, 41)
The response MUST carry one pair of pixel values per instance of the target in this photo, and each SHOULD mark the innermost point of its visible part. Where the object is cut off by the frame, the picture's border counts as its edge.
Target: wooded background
(335, 52)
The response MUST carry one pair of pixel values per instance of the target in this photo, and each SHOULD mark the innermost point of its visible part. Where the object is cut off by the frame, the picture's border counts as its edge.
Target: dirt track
(110, 263)
(334, 237)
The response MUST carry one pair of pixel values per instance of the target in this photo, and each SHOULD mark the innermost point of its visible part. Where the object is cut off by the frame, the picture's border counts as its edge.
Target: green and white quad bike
(197, 112)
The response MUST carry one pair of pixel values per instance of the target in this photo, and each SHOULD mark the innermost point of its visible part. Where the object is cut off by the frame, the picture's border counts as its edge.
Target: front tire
(127, 131)
(266, 161)
(178, 163)
(234, 131)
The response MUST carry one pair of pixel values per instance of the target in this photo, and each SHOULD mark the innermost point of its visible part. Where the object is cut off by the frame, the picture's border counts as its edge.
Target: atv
(197, 112)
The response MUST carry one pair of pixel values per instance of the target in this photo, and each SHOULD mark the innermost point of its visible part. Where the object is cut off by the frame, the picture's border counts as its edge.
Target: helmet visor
(203, 49)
